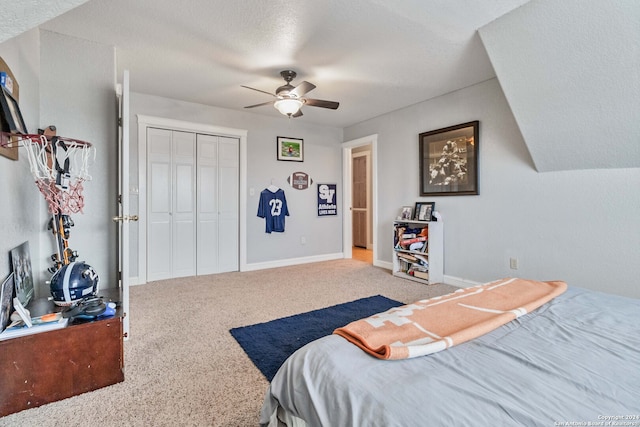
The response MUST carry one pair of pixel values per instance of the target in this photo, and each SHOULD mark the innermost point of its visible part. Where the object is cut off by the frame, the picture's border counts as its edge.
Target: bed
(573, 361)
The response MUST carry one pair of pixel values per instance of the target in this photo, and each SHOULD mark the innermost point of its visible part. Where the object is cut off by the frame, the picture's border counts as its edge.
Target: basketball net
(59, 166)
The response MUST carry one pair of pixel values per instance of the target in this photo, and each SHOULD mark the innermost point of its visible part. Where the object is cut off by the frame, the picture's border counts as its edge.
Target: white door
(123, 217)
(229, 203)
(171, 204)
(184, 204)
(218, 162)
(160, 194)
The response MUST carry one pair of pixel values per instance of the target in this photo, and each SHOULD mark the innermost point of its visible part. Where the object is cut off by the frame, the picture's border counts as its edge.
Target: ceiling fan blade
(320, 103)
(261, 104)
(297, 114)
(257, 90)
(302, 88)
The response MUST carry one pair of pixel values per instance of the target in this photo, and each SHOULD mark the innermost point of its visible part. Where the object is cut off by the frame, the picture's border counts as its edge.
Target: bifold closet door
(171, 233)
(217, 204)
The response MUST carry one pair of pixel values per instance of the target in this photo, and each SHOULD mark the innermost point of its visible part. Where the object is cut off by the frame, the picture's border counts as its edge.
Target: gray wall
(579, 226)
(77, 94)
(69, 83)
(20, 218)
(322, 161)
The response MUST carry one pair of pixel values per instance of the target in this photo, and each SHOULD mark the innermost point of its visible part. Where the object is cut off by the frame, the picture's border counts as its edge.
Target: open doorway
(359, 179)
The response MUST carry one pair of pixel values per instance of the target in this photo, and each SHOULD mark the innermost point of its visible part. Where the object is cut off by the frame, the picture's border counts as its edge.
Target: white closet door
(228, 203)
(171, 233)
(184, 206)
(218, 204)
(159, 205)
(207, 204)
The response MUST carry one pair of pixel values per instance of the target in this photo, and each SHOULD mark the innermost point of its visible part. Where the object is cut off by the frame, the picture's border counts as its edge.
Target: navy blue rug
(269, 344)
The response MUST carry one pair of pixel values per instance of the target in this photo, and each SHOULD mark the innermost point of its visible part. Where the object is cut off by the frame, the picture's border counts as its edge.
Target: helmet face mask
(73, 282)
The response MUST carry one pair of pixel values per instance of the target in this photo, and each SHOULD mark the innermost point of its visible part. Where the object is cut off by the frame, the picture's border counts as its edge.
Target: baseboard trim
(383, 264)
(292, 261)
(449, 280)
(459, 282)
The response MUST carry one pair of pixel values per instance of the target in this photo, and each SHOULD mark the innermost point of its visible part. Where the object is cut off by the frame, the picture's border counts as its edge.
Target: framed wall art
(449, 161)
(290, 149)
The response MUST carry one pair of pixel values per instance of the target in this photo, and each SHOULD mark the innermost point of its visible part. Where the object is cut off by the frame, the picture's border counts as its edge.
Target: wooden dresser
(50, 366)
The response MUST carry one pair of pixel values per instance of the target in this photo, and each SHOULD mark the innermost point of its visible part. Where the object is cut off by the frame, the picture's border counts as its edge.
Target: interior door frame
(123, 96)
(145, 122)
(368, 211)
(347, 173)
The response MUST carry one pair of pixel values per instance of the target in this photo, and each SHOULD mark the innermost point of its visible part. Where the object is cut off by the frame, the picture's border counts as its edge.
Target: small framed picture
(23, 277)
(290, 149)
(6, 296)
(425, 211)
(406, 212)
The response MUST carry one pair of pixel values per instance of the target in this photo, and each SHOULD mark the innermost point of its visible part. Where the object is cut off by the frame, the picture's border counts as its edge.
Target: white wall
(322, 161)
(21, 201)
(579, 226)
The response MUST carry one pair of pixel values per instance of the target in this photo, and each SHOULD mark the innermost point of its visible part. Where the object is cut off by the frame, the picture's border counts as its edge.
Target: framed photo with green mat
(290, 149)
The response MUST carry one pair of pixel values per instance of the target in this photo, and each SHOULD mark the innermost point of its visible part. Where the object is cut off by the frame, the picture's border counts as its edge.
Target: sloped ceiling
(570, 71)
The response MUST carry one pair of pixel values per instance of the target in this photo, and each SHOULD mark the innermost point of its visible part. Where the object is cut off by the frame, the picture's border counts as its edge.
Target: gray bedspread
(573, 361)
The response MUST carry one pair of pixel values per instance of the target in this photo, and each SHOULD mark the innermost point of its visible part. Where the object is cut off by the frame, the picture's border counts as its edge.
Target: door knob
(125, 218)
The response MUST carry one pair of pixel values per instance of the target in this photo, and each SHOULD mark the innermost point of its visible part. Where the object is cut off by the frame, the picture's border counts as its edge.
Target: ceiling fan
(289, 98)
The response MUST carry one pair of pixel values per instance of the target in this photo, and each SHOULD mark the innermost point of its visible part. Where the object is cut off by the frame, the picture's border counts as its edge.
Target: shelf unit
(425, 264)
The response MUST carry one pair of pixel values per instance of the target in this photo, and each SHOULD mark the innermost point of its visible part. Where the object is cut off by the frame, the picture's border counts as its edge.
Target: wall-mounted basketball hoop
(59, 166)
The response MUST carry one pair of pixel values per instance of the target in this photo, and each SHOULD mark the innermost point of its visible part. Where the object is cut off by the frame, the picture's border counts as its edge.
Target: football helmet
(73, 282)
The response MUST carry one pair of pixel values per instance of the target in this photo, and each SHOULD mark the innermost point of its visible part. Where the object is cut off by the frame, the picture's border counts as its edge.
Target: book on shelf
(423, 259)
(421, 274)
(406, 242)
(19, 328)
(407, 257)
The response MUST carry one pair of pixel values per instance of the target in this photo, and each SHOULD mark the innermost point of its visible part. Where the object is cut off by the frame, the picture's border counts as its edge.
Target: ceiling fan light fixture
(288, 106)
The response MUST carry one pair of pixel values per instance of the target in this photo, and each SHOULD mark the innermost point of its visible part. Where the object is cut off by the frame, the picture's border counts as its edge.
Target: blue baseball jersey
(273, 208)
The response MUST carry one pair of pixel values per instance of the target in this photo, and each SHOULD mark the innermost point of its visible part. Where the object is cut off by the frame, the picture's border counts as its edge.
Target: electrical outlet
(303, 240)
(513, 263)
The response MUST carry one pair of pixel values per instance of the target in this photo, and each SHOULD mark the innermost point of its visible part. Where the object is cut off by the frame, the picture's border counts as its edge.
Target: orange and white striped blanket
(435, 324)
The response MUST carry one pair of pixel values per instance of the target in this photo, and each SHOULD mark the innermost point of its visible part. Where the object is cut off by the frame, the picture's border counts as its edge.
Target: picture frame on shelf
(449, 160)
(416, 211)
(6, 298)
(406, 213)
(23, 276)
(290, 149)
(12, 121)
(8, 142)
(426, 210)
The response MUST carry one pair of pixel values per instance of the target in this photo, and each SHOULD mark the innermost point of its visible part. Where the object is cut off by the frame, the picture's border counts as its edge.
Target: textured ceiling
(373, 56)
(20, 16)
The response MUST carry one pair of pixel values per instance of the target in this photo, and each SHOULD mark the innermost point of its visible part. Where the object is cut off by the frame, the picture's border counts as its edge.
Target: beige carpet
(183, 368)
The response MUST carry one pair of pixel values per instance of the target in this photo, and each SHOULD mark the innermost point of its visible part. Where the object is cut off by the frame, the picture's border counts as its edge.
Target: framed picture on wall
(449, 161)
(290, 149)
